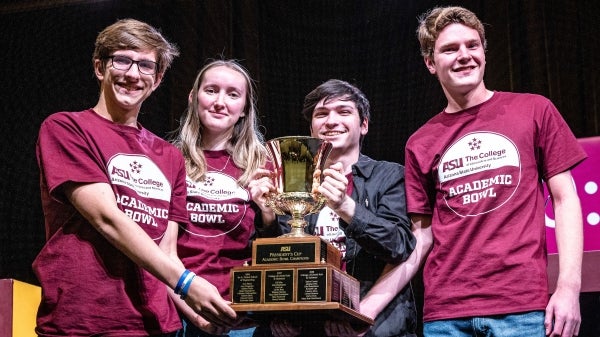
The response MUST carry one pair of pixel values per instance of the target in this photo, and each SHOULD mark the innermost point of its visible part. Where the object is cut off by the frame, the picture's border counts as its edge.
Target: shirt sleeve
(65, 155)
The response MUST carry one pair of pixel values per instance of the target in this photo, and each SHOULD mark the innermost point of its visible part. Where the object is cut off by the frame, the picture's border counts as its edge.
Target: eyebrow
(341, 106)
(455, 43)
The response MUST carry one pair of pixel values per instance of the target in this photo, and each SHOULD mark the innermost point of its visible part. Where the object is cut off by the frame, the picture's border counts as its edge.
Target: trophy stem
(297, 228)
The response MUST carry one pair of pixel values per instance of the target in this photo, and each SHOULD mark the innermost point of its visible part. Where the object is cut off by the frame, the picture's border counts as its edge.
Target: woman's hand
(260, 186)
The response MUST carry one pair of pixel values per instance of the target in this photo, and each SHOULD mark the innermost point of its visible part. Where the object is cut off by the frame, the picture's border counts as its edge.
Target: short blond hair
(432, 22)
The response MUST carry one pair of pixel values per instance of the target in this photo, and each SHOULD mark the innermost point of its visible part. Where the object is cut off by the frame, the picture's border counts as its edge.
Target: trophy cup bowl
(295, 160)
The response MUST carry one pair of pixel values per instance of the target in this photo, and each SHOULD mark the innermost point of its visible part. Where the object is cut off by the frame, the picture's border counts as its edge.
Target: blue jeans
(530, 324)
(190, 330)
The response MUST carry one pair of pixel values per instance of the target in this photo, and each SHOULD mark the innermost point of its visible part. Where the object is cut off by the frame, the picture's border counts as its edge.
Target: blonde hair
(246, 145)
(432, 22)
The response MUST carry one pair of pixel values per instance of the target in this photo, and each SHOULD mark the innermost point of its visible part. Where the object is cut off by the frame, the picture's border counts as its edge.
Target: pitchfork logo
(208, 181)
(135, 167)
(475, 144)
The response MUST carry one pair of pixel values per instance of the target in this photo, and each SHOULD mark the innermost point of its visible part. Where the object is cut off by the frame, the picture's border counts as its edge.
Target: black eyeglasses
(121, 62)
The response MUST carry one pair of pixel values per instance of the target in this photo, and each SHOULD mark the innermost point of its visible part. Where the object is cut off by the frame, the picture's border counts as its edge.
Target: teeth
(127, 87)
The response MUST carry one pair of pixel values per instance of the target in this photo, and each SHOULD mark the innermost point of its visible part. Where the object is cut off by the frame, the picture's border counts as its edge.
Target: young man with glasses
(112, 195)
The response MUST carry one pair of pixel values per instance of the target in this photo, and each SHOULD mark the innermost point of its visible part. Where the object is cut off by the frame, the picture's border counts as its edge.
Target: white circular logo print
(140, 174)
(479, 173)
(218, 205)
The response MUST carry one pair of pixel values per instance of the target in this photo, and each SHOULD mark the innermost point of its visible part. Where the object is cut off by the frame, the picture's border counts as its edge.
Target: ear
(364, 127)
(159, 77)
(430, 64)
(99, 69)
(190, 96)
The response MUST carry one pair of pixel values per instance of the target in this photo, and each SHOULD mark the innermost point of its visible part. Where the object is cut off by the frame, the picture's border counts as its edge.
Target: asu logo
(120, 173)
(452, 165)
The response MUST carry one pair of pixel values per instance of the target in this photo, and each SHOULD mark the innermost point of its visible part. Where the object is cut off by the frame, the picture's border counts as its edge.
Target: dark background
(549, 47)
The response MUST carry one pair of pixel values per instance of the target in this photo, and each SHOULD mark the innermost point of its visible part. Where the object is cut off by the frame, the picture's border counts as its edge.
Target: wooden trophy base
(311, 313)
(298, 279)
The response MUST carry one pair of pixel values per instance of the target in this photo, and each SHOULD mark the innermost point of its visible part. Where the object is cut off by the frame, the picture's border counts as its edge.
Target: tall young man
(474, 177)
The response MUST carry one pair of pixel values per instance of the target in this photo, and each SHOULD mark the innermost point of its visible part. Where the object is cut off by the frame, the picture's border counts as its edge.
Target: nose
(220, 100)
(463, 53)
(332, 118)
(133, 71)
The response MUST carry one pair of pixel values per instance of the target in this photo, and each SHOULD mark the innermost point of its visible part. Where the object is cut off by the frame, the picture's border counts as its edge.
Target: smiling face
(338, 121)
(221, 101)
(126, 90)
(458, 59)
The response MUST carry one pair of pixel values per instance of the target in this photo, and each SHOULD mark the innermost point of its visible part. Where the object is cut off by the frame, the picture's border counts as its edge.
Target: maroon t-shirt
(221, 223)
(478, 173)
(90, 287)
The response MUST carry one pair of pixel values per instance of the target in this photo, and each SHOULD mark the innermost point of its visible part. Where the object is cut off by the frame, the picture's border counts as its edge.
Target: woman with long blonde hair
(227, 181)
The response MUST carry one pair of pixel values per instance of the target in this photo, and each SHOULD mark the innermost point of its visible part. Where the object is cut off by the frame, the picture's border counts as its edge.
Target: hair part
(432, 22)
(246, 145)
(131, 34)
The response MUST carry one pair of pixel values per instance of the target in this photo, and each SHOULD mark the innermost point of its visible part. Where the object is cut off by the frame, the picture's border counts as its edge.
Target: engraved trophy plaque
(295, 160)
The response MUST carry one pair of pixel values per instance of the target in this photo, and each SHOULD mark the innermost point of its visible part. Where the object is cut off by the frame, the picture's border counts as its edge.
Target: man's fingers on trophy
(322, 189)
(335, 184)
(339, 167)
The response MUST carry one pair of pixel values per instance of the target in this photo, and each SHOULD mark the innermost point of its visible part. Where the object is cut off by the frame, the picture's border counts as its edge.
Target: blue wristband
(186, 285)
(180, 282)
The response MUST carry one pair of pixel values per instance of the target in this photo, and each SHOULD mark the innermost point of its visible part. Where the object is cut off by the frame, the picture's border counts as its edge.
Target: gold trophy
(295, 160)
(296, 276)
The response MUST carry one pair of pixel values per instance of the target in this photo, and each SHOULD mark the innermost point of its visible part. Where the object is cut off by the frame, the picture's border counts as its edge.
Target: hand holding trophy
(296, 160)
